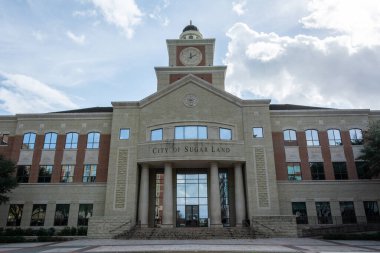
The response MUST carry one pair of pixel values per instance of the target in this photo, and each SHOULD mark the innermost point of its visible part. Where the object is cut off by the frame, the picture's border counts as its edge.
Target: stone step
(188, 233)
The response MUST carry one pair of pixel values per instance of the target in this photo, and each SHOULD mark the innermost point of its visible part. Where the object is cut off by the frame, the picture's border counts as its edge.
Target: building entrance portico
(175, 196)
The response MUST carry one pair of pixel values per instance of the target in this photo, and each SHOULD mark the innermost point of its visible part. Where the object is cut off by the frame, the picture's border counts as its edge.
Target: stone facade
(189, 158)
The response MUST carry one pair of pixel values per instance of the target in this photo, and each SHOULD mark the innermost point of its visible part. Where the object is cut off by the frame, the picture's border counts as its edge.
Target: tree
(7, 179)
(371, 149)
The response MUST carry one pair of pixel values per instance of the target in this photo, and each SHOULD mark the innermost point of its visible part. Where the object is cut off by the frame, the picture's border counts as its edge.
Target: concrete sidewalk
(254, 245)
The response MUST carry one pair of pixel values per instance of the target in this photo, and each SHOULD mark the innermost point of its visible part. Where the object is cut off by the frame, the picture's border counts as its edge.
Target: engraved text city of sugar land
(191, 149)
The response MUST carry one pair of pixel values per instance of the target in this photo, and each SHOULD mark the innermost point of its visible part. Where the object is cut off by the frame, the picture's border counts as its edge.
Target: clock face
(190, 56)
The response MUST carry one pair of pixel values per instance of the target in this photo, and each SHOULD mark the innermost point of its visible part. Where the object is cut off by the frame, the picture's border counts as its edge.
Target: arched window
(312, 137)
(50, 140)
(71, 140)
(334, 137)
(93, 140)
(28, 141)
(356, 136)
(290, 135)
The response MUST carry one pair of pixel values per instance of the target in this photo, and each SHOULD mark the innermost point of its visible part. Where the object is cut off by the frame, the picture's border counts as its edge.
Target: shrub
(82, 231)
(65, 231)
(73, 231)
(12, 239)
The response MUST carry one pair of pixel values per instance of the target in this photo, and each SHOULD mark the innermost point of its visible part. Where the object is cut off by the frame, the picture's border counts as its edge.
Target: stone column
(144, 196)
(215, 215)
(239, 195)
(167, 216)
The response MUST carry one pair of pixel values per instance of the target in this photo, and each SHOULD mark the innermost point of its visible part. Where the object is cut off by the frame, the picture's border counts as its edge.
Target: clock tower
(191, 54)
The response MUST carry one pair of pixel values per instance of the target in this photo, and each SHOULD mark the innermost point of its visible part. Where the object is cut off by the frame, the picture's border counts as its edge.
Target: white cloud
(38, 35)
(85, 13)
(125, 14)
(239, 7)
(24, 94)
(302, 69)
(156, 14)
(79, 39)
(358, 19)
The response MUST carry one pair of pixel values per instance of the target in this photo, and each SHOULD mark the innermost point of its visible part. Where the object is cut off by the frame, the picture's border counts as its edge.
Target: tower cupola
(191, 32)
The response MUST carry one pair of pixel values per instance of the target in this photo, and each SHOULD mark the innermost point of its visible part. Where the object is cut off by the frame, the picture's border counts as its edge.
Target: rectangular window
(156, 135)
(323, 212)
(85, 212)
(93, 140)
(124, 134)
(299, 210)
(89, 173)
(190, 132)
(44, 176)
(38, 215)
(312, 138)
(23, 172)
(71, 141)
(372, 211)
(61, 217)
(28, 141)
(317, 171)
(50, 140)
(4, 139)
(15, 214)
(362, 168)
(67, 173)
(294, 171)
(347, 212)
(225, 134)
(334, 137)
(258, 132)
(340, 170)
(290, 135)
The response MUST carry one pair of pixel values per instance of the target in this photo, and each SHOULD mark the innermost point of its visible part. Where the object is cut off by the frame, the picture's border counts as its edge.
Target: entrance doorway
(192, 215)
(192, 200)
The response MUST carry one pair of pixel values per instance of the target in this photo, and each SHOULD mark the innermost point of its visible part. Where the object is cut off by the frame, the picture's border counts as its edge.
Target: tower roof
(190, 32)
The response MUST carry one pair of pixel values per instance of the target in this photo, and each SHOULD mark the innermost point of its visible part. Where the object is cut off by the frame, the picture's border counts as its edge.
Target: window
(334, 137)
(124, 134)
(67, 173)
(23, 172)
(28, 141)
(347, 212)
(15, 214)
(89, 174)
(323, 212)
(44, 176)
(312, 137)
(294, 172)
(93, 140)
(290, 135)
(190, 132)
(362, 168)
(85, 212)
(225, 134)
(61, 216)
(38, 215)
(50, 140)
(340, 170)
(258, 132)
(156, 134)
(4, 139)
(356, 136)
(299, 210)
(71, 141)
(371, 211)
(317, 171)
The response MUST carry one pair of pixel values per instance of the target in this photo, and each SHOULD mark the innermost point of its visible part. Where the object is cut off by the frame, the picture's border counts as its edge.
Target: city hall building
(189, 155)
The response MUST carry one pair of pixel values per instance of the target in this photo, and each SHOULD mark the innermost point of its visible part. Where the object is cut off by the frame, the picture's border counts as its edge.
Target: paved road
(254, 245)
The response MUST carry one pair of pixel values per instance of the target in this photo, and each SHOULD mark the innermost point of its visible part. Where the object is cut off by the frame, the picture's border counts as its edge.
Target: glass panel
(258, 132)
(225, 134)
(124, 134)
(347, 211)
(85, 212)
(180, 190)
(192, 201)
(179, 133)
(203, 190)
(202, 132)
(191, 190)
(203, 211)
(156, 135)
(323, 212)
(203, 201)
(191, 132)
(299, 210)
(181, 201)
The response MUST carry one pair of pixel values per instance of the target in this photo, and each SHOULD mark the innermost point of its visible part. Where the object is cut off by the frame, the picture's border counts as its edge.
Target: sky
(65, 54)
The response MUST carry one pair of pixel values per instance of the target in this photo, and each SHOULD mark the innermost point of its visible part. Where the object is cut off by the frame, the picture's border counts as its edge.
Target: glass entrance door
(192, 215)
(192, 200)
